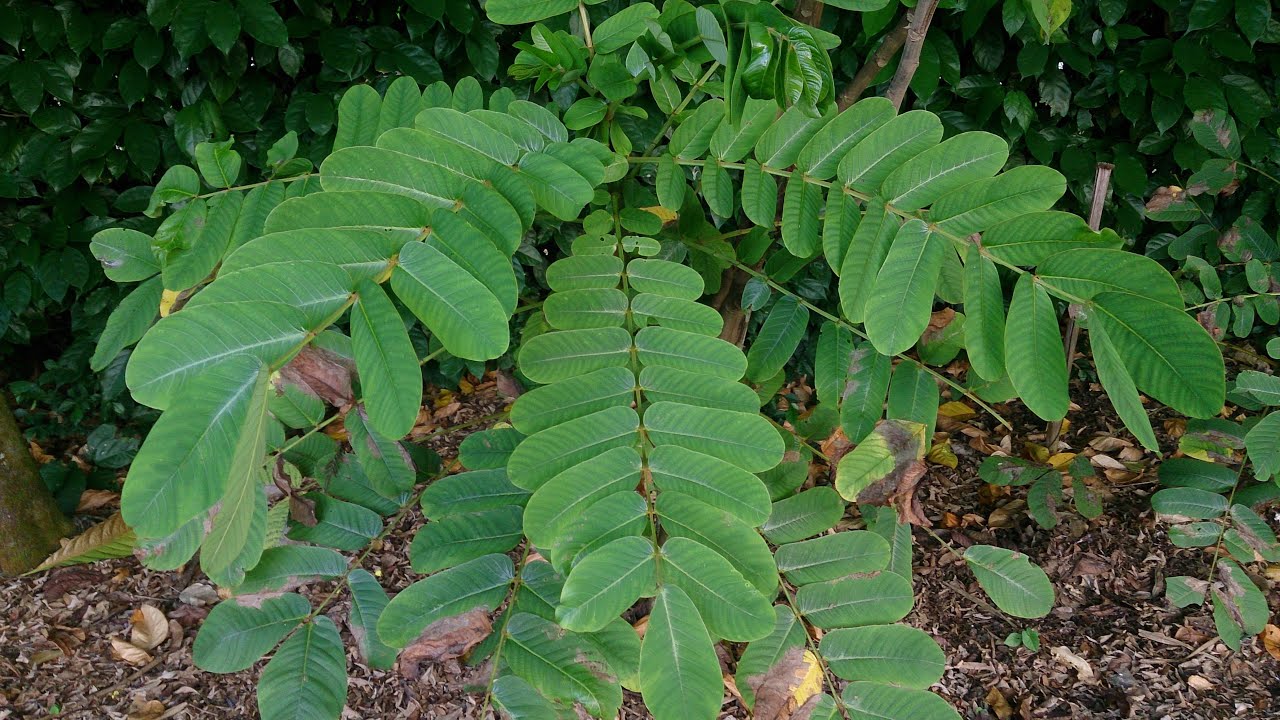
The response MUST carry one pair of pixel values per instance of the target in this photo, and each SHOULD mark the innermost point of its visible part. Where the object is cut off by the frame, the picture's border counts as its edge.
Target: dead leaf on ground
(1082, 667)
(64, 580)
(92, 499)
(998, 704)
(445, 639)
(144, 709)
(835, 446)
(1271, 640)
(323, 373)
(150, 627)
(128, 652)
(785, 688)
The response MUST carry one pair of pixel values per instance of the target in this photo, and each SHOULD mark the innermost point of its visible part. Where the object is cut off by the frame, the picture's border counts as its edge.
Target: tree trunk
(30, 521)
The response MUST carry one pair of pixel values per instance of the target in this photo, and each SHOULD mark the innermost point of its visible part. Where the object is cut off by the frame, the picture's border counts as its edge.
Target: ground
(1113, 647)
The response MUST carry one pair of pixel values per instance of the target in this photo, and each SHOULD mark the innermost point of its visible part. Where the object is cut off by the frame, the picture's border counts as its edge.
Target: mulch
(1113, 647)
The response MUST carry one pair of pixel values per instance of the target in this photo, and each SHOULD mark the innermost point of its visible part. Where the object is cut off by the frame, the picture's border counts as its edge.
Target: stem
(516, 582)
(254, 185)
(921, 16)
(1101, 186)
(889, 47)
(586, 28)
(671, 117)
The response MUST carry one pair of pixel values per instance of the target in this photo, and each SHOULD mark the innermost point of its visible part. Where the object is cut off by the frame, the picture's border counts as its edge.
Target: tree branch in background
(916, 31)
(889, 47)
(1101, 187)
(809, 12)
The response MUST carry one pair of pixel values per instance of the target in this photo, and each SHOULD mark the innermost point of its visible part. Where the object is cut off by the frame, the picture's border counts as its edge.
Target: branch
(889, 47)
(916, 31)
(809, 12)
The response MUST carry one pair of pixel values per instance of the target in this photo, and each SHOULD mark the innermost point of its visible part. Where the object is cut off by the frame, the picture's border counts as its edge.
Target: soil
(1113, 647)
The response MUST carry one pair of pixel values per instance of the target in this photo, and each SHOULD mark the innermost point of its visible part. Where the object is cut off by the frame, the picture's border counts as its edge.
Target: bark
(889, 47)
(30, 521)
(809, 12)
(921, 16)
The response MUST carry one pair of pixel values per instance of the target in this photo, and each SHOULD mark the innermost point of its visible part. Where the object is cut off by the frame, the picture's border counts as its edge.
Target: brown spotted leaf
(321, 372)
(445, 639)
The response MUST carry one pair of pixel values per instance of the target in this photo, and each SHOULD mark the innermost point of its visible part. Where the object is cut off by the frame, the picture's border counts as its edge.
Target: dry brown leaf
(508, 386)
(1271, 640)
(144, 709)
(786, 686)
(150, 627)
(1082, 667)
(1003, 516)
(41, 657)
(38, 453)
(93, 499)
(108, 534)
(835, 446)
(445, 639)
(998, 704)
(1199, 683)
(1107, 443)
(324, 374)
(128, 652)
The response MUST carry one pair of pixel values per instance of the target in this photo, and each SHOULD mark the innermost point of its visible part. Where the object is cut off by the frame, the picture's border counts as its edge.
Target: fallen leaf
(1200, 683)
(144, 709)
(786, 686)
(321, 372)
(957, 410)
(445, 639)
(41, 657)
(508, 386)
(150, 627)
(1003, 516)
(128, 652)
(93, 499)
(1082, 667)
(109, 538)
(1060, 461)
(941, 454)
(835, 446)
(998, 704)
(199, 594)
(64, 580)
(38, 453)
(1271, 640)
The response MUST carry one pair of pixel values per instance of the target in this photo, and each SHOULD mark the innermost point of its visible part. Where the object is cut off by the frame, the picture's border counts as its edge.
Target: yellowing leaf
(957, 410)
(663, 213)
(811, 683)
(1060, 461)
(167, 299)
(941, 454)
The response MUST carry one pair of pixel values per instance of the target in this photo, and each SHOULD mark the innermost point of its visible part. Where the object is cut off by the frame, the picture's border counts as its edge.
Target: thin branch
(1101, 187)
(921, 16)
(889, 47)
(809, 12)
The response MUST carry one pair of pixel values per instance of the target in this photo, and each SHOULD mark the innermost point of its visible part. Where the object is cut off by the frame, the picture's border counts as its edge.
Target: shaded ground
(1112, 648)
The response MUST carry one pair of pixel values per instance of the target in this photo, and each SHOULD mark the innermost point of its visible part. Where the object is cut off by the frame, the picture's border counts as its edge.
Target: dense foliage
(639, 161)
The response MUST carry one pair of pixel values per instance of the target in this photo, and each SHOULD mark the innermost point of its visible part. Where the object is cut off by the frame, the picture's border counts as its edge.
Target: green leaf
(897, 310)
(263, 23)
(459, 537)
(852, 602)
(717, 190)
(489, 449)
(1011, 581)
(561, 664)
(572, 398)
(482, 582)
(183, 467)
(679, 672)
(557, 356)
(876, 156)
(781, 144)
(307, 677)
(685, 516)
(731, 608)
(617, 515)
(867, 250)
(1263, 444)
(873, 701)
(983, 204)
(549, 452)
(984, 331)
(384, 461)
(1243, 606)
(389, 376)
(1036, 359)
(690, 352)
(1189, 472)
(759, 194)
(606, 582)
(668, 384)
(290, 565)
(1120, 389)
(955, 163)
(822, 154)
(1032, 238)
(517, 12)
(218, 163)
(1085, 272)
(368, 600)
(661, 277)
(693, 136)
(748, 441)
(862, 391)
(714, 481)
(359, 114)
(895, 654)
(127, 323)
(913, 396)
(126, 255)
(803, 515)
(677, 314)
(1168, 354)
(624, 27)
(833, 556)
(801, 218)
(471, 492)
(234, 636)
(520, 701)
(464, 315)
(783, 329)
(562, 500)
(1180, 504)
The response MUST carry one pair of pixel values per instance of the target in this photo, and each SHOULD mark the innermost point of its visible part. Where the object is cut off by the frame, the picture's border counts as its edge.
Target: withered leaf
(150, 627)
(886, 469)
(784, 689)
(445, 639)
(321, 372)
(128, 652)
